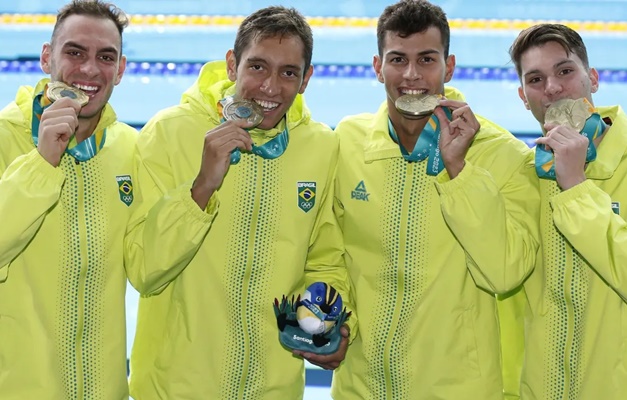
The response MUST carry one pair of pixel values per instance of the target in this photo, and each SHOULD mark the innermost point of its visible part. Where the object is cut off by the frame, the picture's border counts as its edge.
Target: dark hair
(92, 8)
(271, 22)
(539, 35)
(412, 16)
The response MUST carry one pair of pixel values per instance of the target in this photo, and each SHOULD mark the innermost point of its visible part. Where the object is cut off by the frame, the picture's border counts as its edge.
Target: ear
(450, 68)
(593, 74)
(231, 65)
(44, 58)
(377, 64)
(522, 96)
(121, 69)
(306, 78)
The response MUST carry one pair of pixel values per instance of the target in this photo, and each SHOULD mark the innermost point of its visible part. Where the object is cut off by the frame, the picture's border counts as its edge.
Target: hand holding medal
(58, 121)
(238, 115)
(571, 126)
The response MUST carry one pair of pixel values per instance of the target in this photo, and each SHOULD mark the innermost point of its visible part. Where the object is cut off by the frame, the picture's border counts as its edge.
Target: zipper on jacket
(82, 226)
(568, 278)
(251, 251)
(402, 246)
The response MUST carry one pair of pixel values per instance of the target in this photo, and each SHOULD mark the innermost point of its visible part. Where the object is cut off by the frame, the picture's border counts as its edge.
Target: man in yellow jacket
(576, 332)
(65, 197)
(228, 223)
(438, 214)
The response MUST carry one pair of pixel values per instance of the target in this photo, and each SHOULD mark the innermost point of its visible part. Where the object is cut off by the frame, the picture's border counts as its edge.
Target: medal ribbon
(427, 146)
(544, 162)
(82, 151)
(269, 150)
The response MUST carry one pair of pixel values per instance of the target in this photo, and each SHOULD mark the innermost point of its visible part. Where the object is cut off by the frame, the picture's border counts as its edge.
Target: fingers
(229, 136)
(229, 141)
(65, 103)
(442, 117)
(330, 361)
(463, 119)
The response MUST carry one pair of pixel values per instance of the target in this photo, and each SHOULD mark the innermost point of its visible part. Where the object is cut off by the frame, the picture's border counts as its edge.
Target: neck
(86, 128)
(407, 130)
(598, 140)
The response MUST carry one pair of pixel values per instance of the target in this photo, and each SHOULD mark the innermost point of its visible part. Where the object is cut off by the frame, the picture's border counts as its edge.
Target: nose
(411, 72)
(553, 86)
(89, 67)
(270, 85)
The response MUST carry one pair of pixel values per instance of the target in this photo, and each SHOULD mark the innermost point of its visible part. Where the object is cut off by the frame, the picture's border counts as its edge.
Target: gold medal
(57, 90)
(569, 112)
(417, 105)
(243, 110)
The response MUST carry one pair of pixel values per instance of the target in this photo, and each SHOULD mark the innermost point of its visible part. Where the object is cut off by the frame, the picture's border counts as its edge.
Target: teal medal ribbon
(82, 151)
(427, 146)
(544, 162)
(269, 150)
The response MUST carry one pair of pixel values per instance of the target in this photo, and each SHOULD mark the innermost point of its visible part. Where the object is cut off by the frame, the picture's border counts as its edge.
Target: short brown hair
(92, 8)
(270, 22)
(541, 34)
(412, 16)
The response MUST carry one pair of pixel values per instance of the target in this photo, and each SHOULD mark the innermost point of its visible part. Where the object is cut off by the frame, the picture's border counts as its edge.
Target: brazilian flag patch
(125, 185)
(306, 195)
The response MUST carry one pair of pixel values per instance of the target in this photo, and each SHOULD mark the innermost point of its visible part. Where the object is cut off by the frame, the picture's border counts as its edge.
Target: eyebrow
(421, 53)
(555, 66)
(261, 60)
(83, 48)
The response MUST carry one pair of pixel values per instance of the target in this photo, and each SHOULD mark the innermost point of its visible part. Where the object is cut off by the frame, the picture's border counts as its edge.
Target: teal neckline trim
(427, 146)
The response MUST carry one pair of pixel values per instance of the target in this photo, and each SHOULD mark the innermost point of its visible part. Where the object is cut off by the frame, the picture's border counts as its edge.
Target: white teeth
(413, 91)
(267, 105)
(85, 87)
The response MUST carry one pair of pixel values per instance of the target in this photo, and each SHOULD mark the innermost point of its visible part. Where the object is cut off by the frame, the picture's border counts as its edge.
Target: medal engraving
(569, 112)
(57, 90)
(417, 105)
(243, 110)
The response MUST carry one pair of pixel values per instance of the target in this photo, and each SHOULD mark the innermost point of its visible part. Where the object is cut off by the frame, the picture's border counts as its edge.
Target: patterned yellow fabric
(577, 331)
(426, 255)
(62, 278)
(211, 332)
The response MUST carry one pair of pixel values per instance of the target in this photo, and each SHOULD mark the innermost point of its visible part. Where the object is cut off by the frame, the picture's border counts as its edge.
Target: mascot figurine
(312, 322)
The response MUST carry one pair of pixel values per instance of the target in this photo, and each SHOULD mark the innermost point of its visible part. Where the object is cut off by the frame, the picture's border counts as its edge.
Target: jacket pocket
(472, 353)
(172, 344)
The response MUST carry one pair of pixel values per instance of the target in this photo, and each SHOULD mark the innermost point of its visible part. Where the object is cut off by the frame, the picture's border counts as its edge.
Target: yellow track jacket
(211, 333)
(576, 345)
(62, 278)
(426, 255)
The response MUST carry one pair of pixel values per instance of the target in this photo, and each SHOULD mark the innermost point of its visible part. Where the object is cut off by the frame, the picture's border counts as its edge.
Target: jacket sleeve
(29, 188)
(167, 227)
(583, 214)
(496, 226)
(325, 259)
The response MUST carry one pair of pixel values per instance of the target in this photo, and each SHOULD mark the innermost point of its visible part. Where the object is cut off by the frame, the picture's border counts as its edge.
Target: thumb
(444, 121)
(345, 331)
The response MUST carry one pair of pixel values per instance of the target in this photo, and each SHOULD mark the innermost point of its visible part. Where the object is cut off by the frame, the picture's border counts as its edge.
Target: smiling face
(271, 73)
(549, 73)
(414, 64)
(86, 53)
